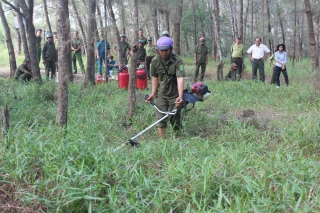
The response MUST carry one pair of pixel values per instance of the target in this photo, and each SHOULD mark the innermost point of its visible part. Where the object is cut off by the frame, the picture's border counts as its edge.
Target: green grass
(211, 167)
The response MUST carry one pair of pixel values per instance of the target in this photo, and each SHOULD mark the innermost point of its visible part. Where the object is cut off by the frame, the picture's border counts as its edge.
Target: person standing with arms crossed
(49, 56)
(124, 50)
(76, 52)
(200, 59)
(237, 56)
(167, 73)
(257, 54)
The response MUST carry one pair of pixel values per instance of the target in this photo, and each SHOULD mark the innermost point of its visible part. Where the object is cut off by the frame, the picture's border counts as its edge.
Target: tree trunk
(5, 117)
(281, 24)
(300, 22)
(100, 19)
(64, 62)
(187, 43)
(45, 8)
(194, 24)
(294, 34)
(231, 12)
(155, 24)
(123, 18)
(79, 22)
(22, 30)
(251, 36)
(312, 40)
(216, 12)
(12, 57)
(166, 20)
(132, 79)
(18, 41)
(240, 19)
(244, 32)
(176, 26)
(269, 27)
(91, 22)
(115, 29)
(213, 42)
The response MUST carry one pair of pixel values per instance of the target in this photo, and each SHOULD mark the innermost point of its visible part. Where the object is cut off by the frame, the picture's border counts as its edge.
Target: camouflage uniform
(20, 74)
(124, 46)
(232, 74)
(76, 56)
(38, 47)
(167, 90)
(201, 52)
(49, 55)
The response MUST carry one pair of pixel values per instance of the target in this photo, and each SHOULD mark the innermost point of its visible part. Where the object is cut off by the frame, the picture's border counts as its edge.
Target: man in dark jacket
(23, 72)
(49, 56)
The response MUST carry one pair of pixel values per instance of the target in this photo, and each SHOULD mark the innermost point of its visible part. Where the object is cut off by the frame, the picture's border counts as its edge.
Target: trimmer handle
(151, 101)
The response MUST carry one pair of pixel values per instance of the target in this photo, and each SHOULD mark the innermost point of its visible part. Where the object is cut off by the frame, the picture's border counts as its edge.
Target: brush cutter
(199, 92)
(132, 141)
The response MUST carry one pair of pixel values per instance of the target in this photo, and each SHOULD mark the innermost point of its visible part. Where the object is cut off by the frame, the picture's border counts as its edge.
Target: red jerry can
(123, 79)
(100, 79)
(141, 79)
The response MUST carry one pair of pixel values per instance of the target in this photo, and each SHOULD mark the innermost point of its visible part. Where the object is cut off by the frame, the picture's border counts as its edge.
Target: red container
(123, 79)
(100, 79)
(141, 79)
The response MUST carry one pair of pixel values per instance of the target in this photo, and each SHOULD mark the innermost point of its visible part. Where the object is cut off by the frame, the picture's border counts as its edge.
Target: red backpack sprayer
(198, 92)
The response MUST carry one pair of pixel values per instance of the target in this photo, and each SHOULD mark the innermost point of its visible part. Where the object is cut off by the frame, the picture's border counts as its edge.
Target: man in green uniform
(23, 72)
(237, 56)
(141, 56)
(76, 52)
(151, 52)
(38, 44)
(49, 56)
(167, 72)
(232, 74)
(141, 37)
(124, 49)
(200, 59)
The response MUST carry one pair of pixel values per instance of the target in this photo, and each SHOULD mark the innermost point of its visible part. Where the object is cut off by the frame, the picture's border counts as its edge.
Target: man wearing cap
(38, 44)
(76, 52)
(151, 52)
(124, 50)
(141, 37)
(165, 33)
(23, 72)
(237, 54)
(167, 73)
(49, 56)
(232, 74)
(101, 53)
(200, 59)
(257, 54)
(141, 56)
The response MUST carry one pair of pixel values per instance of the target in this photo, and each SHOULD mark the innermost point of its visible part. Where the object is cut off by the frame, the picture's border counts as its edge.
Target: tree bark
(45, 8)
(22, 30)
(240, 19)
(155, 24)
(176, 27)
(244, 32)
(294, 33)
(281, 24)
(194, 24)
(100, 18)
(216, 12)
(115, 29)
(12, 57)
(232, 22)
(132, 77)
(18, 38)
(64, 62)
(79, 22)
(312, 40)
(269, 27)
(91, 23)
(5, 118)
(166, 20)
(300, 22)
(251, 36)
(123, 18)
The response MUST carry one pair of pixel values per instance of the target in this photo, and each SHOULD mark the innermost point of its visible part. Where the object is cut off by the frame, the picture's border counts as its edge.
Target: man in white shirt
(257, 54)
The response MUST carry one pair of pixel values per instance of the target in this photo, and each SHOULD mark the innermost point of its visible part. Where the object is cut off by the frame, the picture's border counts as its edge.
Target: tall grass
(213, 166)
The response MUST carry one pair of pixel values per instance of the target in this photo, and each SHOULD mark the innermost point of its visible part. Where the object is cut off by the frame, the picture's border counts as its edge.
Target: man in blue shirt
(101, 53)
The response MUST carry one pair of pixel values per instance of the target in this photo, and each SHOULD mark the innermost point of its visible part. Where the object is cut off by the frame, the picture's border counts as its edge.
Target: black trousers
(278, 71)
(148, 62)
